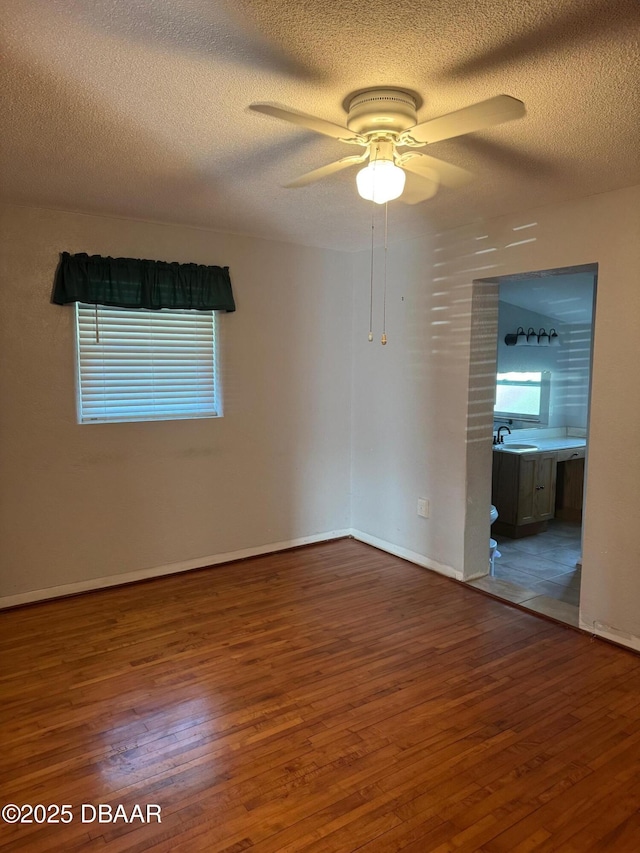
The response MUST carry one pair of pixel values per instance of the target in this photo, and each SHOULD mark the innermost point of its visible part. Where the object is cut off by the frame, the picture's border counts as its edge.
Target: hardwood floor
(332, 698)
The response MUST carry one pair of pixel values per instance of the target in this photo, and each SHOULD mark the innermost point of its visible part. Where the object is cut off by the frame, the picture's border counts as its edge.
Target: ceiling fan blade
(327, 128)
(325, 171)
(434, 169)
(417, 189)
(469, 119)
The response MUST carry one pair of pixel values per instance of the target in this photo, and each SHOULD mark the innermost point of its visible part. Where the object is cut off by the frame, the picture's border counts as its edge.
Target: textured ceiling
(138, 108)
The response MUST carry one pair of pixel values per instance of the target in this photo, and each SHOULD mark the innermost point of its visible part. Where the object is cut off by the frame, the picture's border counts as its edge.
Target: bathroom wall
(573, 368)
(569, 363)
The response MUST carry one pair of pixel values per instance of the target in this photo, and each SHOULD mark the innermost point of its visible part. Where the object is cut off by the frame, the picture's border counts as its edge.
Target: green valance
(131, 283)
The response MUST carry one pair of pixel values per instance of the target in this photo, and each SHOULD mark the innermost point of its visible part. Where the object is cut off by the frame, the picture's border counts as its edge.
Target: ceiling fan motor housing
(381, 110)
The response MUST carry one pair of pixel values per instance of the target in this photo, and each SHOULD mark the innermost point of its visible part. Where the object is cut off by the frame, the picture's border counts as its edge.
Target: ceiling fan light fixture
(383, 120)
(380, 181)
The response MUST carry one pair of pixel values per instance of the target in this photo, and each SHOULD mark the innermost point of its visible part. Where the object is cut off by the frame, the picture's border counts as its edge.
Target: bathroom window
(523, 396)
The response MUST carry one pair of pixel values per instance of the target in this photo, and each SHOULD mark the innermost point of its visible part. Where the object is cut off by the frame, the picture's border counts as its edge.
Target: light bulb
(380, 181)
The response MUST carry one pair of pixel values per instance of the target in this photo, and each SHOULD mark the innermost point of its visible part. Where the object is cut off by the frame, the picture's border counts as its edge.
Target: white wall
(417, 432)
(409, 405)
(80, 502)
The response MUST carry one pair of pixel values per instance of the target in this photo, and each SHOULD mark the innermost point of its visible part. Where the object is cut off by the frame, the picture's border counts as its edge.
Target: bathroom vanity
(534, 482)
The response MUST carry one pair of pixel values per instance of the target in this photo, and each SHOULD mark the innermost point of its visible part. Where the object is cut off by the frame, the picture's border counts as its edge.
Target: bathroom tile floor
(541, 573)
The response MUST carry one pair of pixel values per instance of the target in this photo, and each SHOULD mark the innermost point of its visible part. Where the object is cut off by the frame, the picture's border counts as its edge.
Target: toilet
(493, 545)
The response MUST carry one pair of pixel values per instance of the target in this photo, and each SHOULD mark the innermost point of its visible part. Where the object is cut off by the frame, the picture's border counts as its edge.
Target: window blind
(140, 365)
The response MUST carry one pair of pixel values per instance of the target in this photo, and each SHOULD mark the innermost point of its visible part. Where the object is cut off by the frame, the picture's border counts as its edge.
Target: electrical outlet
(423, 507)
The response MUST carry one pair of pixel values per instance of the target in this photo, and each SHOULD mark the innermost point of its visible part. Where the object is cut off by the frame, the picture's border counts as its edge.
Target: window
(143, 365)
(523, 396)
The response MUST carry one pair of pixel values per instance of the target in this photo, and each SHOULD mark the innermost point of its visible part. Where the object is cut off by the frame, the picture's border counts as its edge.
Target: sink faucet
(499, 436)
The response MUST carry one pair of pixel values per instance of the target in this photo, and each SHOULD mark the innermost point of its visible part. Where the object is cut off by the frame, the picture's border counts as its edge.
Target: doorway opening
(540, 439)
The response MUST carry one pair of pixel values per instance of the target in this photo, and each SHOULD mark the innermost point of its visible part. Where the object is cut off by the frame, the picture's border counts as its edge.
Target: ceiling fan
(382, 121)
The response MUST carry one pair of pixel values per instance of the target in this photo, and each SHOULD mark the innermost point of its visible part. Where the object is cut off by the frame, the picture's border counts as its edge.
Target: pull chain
(383, 340)
(371, 282)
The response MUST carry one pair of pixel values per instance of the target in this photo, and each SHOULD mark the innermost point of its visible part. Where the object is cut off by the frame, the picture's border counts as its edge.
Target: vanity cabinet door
(536, 487)
(545, 487)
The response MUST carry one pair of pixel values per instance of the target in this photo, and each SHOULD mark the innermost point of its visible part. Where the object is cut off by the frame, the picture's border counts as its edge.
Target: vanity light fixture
(531, 338)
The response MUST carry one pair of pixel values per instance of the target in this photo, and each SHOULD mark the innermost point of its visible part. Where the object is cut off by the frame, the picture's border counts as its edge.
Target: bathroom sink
(513, 446)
